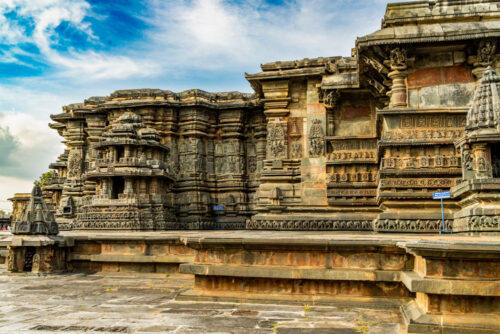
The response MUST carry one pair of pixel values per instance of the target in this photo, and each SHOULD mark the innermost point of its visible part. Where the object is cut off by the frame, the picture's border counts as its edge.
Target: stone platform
(130, 303)
(441, 283)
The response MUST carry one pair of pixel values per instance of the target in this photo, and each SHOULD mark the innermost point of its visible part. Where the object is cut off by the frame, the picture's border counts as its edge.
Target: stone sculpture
(35, 218)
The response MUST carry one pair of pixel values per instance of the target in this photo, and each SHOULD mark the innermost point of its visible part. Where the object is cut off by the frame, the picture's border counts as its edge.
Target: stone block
(429, 97)
(354, 112)
(456, 95)
(434, 59)
(413, 101)
(457, 74)
(424, 78)
(316, 108)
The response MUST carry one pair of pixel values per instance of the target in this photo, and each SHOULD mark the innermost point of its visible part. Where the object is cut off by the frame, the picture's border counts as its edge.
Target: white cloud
(46, 16)
(9, 186)
(27, 143)
(90, 66)
(35, 145)
(216, 34)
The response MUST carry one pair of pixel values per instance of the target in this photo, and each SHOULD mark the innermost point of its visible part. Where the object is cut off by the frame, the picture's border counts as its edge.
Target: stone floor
(126, 303)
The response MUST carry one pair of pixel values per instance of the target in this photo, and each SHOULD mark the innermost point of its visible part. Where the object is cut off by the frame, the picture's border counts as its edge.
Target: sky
(57, 52)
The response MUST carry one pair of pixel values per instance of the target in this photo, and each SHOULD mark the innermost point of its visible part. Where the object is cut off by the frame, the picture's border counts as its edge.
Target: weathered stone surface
(330, 143)
(131, 304)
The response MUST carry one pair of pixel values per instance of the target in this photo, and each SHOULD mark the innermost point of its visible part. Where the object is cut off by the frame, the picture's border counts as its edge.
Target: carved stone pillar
(129, 186)
(482, 161)
(398, 62)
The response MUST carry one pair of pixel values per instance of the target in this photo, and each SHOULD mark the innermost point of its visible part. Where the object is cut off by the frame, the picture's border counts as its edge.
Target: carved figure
(276, 141)
(11, 266)
(331, 99)
(486, 51)
(398, 58)
(36, 263)
(467, 159)
(75, 164)
(296, 150)
(316, 139)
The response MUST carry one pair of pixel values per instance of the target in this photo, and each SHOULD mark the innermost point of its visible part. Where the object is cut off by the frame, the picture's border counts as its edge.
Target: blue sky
(56, 52)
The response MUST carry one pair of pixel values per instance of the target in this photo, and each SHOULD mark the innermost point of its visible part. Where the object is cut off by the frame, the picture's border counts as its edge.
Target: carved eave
(129, 171)
(281, 74)
(435, 21)
(416, 12)
(340, 81)
(134, 142)
(135, 98)
(58, 164)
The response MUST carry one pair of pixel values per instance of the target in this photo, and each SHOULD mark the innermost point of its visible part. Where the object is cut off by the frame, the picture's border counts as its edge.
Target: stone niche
(36, 254)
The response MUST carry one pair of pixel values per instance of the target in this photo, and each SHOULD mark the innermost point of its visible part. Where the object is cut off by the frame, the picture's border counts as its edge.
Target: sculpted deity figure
(316, 139)
(332, 98)
(75, 164)
(486, 51)
(276, 141)
(467, 159)
(398, 57)
(296, 150)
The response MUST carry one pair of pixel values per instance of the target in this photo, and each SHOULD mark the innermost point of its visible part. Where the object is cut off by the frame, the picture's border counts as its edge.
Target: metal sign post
(218, 209)
(442, 195)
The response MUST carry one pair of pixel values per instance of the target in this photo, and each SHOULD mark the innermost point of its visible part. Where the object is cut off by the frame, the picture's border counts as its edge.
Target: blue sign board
(218, 207)
(441, 195)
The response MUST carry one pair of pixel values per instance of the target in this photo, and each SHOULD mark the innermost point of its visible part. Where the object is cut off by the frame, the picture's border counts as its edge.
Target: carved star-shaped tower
(479, 189)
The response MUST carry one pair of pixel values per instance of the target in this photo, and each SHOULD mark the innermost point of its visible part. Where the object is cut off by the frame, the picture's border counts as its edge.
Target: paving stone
(146, 304)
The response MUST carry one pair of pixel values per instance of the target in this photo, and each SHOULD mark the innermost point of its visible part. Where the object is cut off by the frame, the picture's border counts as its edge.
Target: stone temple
(303, 176)
(332, 143)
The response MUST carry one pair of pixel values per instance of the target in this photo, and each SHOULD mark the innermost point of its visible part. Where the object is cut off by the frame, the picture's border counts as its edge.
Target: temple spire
(485, 109)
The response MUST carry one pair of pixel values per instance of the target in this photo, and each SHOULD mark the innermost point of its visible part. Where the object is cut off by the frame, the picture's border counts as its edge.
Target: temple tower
(133, 182)
(480, 150)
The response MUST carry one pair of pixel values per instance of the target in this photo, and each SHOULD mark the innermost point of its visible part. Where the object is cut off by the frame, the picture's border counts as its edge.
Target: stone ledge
(296, 299)
(418, 322)
(131, 258)
(416, 283)
(283, 272)
(131, 236)
(453, 249)
(262, 243)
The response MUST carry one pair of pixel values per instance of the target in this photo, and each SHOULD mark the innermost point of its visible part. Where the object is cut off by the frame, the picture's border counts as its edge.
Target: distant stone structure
(19, 200)
(36, 218)
(5, 220)
(337, 143)
(34, 245)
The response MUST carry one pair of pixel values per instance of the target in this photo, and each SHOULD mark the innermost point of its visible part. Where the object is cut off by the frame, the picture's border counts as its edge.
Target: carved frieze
(432, 121)
(310, 224)
(448, 135)
(353, 177)
(411, 225)
(417, 183)
(352, 192)
(478, 223)
(348, 150)
(416, 162)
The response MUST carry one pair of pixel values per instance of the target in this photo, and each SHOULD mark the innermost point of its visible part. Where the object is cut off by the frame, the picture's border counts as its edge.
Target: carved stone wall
(329, 143)
(214, 145)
